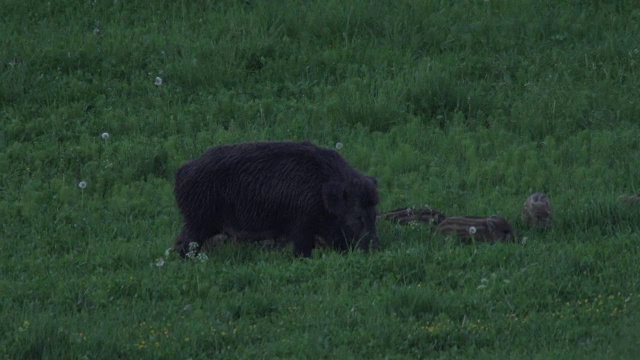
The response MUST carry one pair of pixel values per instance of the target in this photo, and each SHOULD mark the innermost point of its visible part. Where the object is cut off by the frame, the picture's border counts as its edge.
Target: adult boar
(275, 190)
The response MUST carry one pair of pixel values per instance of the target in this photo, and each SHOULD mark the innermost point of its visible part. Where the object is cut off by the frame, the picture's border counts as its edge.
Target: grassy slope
(467, 107)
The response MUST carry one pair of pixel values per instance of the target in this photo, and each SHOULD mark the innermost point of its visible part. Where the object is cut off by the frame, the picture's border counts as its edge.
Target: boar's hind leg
(303, 241)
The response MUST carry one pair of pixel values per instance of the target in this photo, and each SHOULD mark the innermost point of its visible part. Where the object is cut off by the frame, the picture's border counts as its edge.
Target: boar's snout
(374, 242)
(369, 242)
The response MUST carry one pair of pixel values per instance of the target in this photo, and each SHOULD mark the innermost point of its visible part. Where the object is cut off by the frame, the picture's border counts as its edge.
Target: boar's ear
(369, 191)
(335, 198)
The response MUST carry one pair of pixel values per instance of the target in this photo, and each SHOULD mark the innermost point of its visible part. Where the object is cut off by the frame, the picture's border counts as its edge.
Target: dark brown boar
(276, 190)
(485, 229)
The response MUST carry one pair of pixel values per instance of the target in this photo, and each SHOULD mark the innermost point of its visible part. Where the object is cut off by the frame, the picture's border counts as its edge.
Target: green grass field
(465, 106)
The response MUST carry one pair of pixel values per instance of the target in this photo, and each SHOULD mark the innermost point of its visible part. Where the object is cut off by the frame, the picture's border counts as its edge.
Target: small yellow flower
(24, 327)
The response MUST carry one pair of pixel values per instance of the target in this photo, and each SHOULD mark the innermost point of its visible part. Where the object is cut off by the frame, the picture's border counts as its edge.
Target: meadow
(466, 106)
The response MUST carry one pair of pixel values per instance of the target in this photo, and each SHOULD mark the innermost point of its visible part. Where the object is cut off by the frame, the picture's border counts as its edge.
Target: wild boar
(409, 215)
(276, 190)
(630, 199)
(537, 211)
(485, 229)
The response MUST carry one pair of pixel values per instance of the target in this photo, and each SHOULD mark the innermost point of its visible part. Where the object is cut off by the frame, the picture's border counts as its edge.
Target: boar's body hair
(260, 190)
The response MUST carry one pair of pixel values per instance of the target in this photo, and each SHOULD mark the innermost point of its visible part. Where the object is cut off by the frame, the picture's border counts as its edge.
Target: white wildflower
(192, 251)
(194, 254)
(159, 262)
(202, 257)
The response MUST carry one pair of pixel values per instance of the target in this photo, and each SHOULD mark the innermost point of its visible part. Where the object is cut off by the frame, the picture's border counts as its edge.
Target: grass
(467, 106)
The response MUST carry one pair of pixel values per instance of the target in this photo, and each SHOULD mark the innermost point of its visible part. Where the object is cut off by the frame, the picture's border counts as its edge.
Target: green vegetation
(467, 106)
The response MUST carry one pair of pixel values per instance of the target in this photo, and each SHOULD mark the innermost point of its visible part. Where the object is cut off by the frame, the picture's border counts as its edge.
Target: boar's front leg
(303, 241)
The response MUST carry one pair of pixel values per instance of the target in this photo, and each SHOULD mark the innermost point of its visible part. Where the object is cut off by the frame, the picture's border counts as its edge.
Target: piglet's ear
(491, 224)
(334, 197)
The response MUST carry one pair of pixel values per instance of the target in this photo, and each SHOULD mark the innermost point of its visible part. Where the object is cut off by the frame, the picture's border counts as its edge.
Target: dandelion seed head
(159, 262)
(339, 145)
(472, 230)
(82, 184)
(105, 135)
(158, 81)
